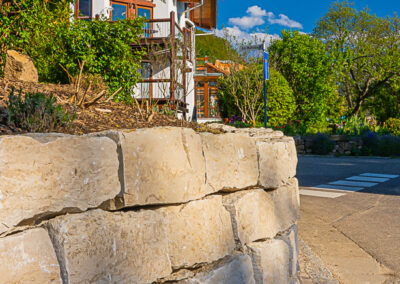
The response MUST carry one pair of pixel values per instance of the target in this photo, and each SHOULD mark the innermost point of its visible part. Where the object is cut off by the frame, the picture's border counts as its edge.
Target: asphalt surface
(316, 170)
(370, 217)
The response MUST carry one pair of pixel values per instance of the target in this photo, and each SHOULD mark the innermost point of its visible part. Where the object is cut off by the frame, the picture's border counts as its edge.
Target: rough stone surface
(257, 214)
(28, 257)
(40, 179)
(198, 232)
(162, 165)
(235, 270)
(291, 240)
(103, 247)
(271, 262)
(231, 161)
(277, 161)
(20, 67)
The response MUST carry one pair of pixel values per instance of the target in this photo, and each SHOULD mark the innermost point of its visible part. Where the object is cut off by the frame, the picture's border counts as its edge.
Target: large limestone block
(235, 270)
(162, 165)
(231, 161)
(28, 257)
(39, 179)
(278, 161)
(103, 247)
(20, 67)
(271, 262)
(198, 232)
(292, 242)
(257, 214)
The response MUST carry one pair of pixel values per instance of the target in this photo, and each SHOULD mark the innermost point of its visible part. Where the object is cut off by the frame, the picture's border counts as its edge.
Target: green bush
(281, 103)
(37, 113)
(393, 125)
(58, 46)
(322, 145)
(389, 146)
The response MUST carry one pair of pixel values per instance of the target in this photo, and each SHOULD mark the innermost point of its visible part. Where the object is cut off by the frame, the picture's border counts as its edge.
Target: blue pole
(266, 77)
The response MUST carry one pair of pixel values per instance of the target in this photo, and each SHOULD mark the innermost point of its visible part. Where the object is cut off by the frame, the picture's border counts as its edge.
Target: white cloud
(256, 17)
(284, 20)
(256, 11)
(247, 22)
(239, 35)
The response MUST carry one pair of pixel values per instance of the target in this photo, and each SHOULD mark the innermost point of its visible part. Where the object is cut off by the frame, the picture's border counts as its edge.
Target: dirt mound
(98, 117)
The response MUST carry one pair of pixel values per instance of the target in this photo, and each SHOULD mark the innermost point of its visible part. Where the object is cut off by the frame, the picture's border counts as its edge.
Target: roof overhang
(206, 15)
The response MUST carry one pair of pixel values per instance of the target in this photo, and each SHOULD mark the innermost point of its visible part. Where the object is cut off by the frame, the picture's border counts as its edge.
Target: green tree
(385, 103)
(365, 49)
(307, 67)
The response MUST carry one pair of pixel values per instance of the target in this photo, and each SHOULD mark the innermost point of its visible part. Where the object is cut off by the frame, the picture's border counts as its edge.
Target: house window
(146, 13)
(83, 9)
(145, 87)
(120, 11)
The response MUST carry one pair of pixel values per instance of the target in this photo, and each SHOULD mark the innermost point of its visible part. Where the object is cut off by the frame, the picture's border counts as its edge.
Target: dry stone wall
(160, 205)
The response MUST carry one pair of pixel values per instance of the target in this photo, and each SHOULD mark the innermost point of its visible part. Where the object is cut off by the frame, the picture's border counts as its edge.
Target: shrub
(281, 103)
(44, 30)
(37, 113)
(393, 125)
(370, 143)
(322, 145)
(389, 146)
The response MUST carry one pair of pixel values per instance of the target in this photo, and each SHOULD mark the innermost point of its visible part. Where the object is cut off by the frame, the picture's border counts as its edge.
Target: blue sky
(242, 18)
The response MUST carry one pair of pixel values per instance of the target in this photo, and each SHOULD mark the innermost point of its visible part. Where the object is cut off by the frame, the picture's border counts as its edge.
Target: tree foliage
(281, 103)
(365, 49)
(305, 64)
(59, 46)
(214, 47)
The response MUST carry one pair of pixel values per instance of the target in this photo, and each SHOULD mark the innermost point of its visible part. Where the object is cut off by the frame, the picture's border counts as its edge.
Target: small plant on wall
(36, 112)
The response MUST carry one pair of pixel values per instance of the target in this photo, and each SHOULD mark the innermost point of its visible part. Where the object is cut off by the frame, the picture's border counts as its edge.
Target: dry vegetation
(94, 111)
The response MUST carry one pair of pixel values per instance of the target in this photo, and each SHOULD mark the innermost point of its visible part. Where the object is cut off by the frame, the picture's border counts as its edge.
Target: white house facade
(169, 38)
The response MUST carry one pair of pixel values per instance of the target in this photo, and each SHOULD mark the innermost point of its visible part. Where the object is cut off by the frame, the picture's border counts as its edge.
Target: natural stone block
(20, 67)
(271, 262)
(28, 257)
(257, 214)
(278, 161)
(198, 232)
(235, 270)
(103, 247)
(68, 173)
(162, 165)
(231, 161)
(292, 242)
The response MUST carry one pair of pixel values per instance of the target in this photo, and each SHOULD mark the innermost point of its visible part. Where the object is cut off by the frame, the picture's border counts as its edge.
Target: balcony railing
(166, 39)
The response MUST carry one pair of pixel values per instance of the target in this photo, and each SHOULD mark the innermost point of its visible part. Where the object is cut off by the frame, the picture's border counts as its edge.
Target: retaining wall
(149, 206)
(343, 145)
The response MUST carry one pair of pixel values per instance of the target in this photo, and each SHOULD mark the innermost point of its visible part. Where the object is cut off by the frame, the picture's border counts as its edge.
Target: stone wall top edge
(249, 132)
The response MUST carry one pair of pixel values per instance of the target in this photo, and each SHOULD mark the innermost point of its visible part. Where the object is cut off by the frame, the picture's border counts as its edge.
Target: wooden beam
(172, 68)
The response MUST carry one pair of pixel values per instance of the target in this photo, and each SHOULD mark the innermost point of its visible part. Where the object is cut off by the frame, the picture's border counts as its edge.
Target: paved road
(358, 197)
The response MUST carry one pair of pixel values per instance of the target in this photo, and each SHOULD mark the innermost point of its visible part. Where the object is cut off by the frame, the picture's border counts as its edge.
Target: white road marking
(338, 187)
(324, 194)
(373, 179)
(353, 183)
(379, 175)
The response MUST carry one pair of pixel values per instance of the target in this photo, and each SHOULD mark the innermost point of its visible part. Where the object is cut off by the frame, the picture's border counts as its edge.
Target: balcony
(169, 51)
